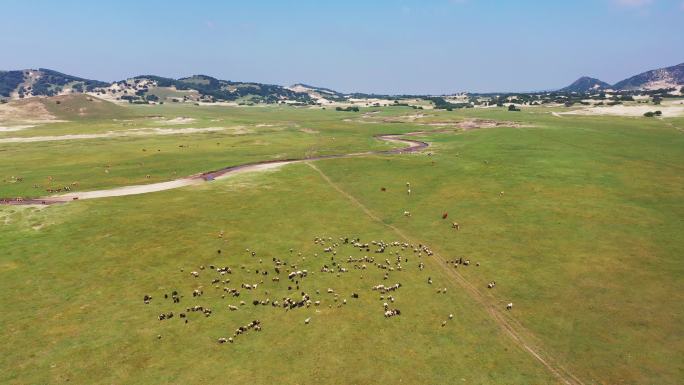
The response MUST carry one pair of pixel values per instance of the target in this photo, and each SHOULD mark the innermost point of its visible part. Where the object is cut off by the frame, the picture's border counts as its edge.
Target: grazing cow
(306, 321)
(456, 226)
(445, 215)
(407, 214)
(509, 306)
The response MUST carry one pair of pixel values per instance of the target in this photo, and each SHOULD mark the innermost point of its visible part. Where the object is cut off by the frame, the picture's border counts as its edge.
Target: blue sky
(383, 46)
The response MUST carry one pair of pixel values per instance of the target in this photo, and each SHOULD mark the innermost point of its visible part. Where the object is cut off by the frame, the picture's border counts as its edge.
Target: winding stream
(412, 146)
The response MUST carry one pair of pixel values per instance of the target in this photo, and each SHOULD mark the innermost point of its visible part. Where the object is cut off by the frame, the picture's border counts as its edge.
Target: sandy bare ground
(26, 111)
(623, 110)
(473, 124)
(128, 190)
(410, 118)
(16, 128)
(117, 134)
(178, 120)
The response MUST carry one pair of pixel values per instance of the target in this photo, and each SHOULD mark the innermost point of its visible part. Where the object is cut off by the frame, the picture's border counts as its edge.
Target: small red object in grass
(445, 215)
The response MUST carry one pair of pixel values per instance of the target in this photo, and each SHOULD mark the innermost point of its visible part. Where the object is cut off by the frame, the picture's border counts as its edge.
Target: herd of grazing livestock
(256, 283)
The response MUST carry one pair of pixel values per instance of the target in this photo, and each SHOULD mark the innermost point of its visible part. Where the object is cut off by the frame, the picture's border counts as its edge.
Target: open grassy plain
(578, 219)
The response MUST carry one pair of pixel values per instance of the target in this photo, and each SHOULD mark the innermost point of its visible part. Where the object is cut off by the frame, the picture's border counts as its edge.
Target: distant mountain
(586, 84)
(202, 88)
(668, 77)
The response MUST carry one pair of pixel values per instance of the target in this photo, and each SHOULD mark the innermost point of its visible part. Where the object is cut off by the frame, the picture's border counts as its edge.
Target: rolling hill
(19, 84)
(43, 82)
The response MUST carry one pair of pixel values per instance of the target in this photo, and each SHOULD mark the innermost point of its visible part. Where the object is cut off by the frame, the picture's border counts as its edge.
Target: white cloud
(633, 3)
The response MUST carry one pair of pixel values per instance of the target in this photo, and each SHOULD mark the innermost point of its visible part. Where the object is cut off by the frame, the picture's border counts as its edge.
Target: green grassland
(586, 241)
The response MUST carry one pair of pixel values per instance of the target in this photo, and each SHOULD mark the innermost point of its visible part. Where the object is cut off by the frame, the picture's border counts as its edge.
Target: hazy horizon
(388, 47)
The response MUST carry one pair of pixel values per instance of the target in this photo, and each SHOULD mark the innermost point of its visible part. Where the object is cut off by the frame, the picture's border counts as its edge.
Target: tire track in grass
(520, 336)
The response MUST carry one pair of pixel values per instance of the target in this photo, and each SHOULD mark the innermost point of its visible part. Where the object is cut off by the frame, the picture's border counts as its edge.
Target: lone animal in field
(509, 306)
(456, 226)
(445, 215)
(407, 213)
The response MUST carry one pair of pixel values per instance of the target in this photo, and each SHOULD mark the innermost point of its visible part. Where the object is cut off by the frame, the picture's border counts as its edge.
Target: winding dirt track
(520, 336)
(412, 146)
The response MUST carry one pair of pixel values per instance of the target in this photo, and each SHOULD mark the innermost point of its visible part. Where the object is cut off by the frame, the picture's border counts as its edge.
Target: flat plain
(577, 219)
